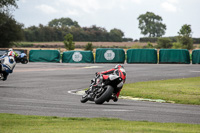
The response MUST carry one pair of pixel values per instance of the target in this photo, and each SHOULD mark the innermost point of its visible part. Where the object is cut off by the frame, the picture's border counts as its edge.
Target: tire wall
(110, 55)
(44, 56)
(77, 57)
(174, 56)
(196, 56)
(142, 56)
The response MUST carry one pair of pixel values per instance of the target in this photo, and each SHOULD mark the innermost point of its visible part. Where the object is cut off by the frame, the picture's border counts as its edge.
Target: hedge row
(155, 39)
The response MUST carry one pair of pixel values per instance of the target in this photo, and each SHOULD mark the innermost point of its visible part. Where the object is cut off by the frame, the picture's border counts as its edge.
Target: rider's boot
(114, 98)
(90, 89)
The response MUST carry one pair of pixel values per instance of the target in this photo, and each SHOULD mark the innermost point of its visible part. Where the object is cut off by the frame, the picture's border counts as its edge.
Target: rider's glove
(97, 73)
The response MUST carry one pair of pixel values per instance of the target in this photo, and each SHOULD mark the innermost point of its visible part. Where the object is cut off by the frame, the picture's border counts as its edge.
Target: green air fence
(174, 56)
(44, 56)
(196, 56)
(142, 56)
(78, 57)
(109, 55)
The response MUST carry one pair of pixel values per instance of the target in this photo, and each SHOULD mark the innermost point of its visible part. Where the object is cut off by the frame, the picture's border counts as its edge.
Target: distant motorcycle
(102, 88)
(7, 64)
(21, 58)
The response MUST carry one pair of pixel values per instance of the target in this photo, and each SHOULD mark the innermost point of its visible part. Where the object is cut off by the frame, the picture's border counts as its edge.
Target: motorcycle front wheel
(100, 99)
(84, 98)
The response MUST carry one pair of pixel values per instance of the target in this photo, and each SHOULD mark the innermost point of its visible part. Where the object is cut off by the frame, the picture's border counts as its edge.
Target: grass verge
(183, 91)
(11, 123)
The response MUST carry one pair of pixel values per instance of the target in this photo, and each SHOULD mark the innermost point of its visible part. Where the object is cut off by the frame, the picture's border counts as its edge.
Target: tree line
(58, 28)
(173, 39)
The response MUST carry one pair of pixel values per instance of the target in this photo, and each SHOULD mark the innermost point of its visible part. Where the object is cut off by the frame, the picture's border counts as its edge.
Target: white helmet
(10, 49)
(118, 66)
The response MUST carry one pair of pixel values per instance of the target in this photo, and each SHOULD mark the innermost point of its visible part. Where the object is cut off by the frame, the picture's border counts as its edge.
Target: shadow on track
(107, 104)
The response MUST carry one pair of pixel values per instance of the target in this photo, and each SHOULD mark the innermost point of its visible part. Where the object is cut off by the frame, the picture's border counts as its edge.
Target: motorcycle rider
(11, 52)
(119, 71)
(7, 64)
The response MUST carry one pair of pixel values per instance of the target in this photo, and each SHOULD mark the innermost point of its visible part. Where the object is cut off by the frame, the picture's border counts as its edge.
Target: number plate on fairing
(113, 77)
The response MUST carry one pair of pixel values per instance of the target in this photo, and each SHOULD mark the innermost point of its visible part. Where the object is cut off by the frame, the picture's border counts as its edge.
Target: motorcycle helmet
(10, 49)
(118, 66)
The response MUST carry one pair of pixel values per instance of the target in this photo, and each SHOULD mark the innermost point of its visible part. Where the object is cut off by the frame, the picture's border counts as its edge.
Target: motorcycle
(103, 88)
(7, 64)
(21, 58)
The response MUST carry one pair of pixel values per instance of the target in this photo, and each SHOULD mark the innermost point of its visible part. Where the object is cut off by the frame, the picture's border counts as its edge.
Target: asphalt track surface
(42, 89)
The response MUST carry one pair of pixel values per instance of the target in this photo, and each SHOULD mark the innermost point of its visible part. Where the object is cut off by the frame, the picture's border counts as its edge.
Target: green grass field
(10, 123)
(183, 91)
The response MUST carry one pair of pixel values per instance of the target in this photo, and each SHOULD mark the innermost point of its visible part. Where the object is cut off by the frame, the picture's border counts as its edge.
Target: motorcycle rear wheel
(104, 96)
(25, 61)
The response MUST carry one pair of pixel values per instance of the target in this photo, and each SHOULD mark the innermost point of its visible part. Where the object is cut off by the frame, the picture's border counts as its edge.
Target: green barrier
(174, 56)
(78, 57)
(109, 55)
(196, 56)
(142, 56)
(44, 56)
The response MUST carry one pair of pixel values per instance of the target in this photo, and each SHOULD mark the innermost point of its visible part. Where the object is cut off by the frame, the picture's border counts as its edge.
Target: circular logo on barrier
(77, 56)
(109, 55)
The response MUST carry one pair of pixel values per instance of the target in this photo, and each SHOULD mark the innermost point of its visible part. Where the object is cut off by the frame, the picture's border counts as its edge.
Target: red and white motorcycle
(103, 88)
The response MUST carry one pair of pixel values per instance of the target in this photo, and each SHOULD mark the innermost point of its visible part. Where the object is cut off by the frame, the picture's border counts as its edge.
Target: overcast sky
(109, 14)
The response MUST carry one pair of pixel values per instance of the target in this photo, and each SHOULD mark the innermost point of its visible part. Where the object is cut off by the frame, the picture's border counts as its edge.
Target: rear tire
(25, 61)
(105, 96)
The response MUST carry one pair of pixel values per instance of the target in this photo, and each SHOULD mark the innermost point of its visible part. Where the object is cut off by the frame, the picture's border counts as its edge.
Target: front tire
(105, 96)
(84, 98)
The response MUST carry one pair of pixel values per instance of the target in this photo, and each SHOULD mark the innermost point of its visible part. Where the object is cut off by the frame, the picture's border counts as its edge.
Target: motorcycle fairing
(105, 77)
(8, 64)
